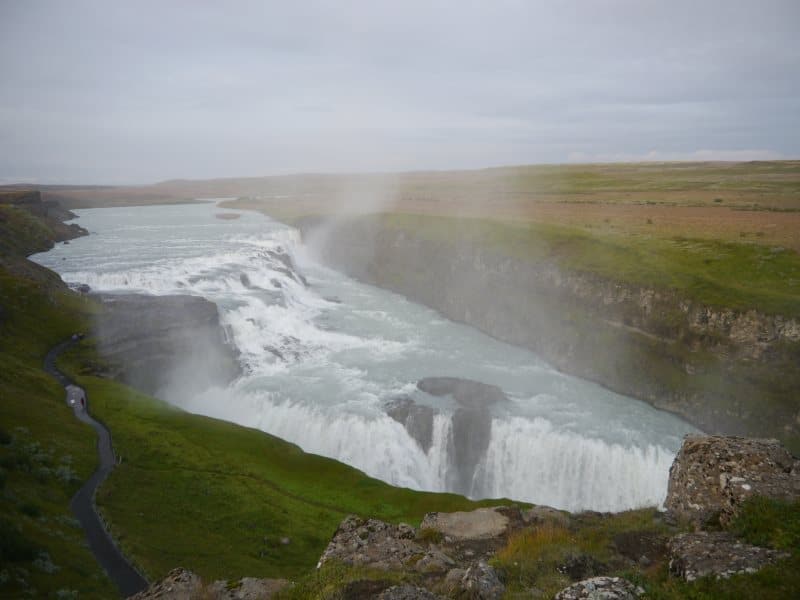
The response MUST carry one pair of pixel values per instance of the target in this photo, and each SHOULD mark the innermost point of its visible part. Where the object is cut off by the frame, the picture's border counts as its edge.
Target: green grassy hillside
(714, 272)
(223, 500)
(45, 453)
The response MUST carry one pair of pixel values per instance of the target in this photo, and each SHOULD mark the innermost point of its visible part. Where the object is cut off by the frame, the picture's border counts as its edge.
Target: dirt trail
(122, 573)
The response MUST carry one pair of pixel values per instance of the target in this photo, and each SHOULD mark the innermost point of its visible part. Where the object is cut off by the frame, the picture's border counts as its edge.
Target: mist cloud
(137, 92)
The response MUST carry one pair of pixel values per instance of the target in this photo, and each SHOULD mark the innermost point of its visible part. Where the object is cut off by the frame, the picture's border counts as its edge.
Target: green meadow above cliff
(718, 273)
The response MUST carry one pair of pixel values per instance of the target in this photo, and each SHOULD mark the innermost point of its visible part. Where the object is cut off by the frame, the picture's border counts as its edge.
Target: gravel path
(122, 573)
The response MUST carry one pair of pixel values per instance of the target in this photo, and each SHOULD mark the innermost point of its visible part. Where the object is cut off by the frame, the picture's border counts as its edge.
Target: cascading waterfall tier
(340, 368)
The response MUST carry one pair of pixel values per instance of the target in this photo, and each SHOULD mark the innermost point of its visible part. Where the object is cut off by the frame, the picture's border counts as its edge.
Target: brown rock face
(712, 475)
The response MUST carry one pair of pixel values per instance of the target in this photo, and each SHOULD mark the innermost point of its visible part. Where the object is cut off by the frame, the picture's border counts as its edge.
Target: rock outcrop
(450, 550)
(168, 346)
(713, 475)
(182, 584)
(718, 554)
(471, 423)
(482, 523)
(597, 588)
(407, 592)
(51, 226)
(371, 542)
(417, 419)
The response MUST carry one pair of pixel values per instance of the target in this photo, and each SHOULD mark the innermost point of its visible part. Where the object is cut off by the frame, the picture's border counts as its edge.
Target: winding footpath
(122, 573)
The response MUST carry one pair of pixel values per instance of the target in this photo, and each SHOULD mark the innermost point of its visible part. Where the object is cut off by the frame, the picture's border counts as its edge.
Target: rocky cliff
(168, 346)
(727, 371)
(514, 552)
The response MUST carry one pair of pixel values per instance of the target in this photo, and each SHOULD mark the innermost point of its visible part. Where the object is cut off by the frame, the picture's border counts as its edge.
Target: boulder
(542, 514)
(481, 523)
(713, 475)
(407, 592)
(581, 566)
(719, 554)
(179, 584)
(182, 584)
(172, 347)
(605, 588)
(417, 419)
(471, 425)
(480, 582)
(370, 542)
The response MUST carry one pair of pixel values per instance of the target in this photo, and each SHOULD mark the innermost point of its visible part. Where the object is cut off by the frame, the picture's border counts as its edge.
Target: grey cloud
(141, 91)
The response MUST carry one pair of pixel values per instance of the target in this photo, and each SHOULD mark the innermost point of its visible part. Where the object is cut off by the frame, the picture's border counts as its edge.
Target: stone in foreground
(182, 584)
(718, 554)
(713, 475)
(456, 563)
(407, 592)
(373, 543)
(477, 524)
(601, 588)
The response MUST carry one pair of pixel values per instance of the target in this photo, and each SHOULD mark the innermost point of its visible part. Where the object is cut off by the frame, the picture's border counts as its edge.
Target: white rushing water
(321, 362)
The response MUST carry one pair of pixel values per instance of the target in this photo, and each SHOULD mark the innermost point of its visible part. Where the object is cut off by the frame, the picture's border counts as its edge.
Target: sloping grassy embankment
(222, 500)
(45, 453)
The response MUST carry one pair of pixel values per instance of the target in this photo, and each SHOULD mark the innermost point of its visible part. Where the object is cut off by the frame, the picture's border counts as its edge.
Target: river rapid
(325, 360)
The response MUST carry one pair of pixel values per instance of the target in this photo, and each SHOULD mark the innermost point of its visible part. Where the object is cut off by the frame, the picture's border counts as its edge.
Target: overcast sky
(135, 92)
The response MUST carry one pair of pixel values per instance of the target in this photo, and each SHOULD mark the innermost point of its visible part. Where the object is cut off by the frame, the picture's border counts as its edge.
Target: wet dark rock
(582, 566)
(363, 588)
(407, 592)
(467, 393)
(643, 547)
(472, 424)
(480, 582)
(245, 280)
(719, 554)
(543, 514)
(166, 346)
(83, 288)
(713, 475)
(272, 298)
(288, 267)
(417, 419)
(182, 584)
(605, 588)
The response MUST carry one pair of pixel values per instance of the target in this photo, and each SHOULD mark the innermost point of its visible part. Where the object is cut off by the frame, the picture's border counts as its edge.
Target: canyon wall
(726, 371)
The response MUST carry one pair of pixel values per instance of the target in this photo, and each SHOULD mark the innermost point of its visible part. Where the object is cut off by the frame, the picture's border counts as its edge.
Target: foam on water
(320, 363)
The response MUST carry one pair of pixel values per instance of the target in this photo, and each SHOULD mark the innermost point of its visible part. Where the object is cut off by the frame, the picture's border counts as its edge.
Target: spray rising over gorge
(367, 377)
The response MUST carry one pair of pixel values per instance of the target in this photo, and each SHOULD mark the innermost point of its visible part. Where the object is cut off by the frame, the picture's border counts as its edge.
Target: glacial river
(323, 361)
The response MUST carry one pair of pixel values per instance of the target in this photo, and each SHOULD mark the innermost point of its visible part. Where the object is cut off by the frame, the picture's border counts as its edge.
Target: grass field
(222, 499)
(719, 273)
(725, 234)
(45, 453)
(228, 501)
